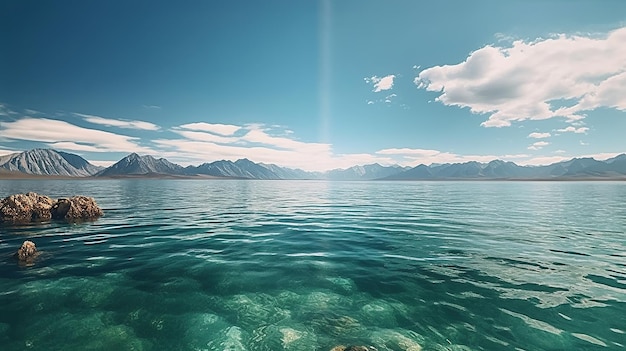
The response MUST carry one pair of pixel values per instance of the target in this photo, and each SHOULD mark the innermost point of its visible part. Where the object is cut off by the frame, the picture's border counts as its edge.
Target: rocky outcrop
(25, 208)
(76, 208)
(32, 207)
(27, 252)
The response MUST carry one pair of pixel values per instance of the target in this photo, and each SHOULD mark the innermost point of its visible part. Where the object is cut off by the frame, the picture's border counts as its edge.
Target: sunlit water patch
(279, 265)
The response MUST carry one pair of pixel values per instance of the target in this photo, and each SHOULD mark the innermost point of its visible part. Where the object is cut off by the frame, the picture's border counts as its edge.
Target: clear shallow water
(278, 265)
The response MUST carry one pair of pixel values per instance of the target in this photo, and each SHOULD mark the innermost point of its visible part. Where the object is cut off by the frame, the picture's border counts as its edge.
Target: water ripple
(253, 265)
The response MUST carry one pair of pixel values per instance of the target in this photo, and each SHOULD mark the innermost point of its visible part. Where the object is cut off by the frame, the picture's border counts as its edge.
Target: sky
(315, 85)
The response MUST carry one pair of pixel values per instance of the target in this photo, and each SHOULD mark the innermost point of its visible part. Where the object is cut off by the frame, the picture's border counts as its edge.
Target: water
(279, 265)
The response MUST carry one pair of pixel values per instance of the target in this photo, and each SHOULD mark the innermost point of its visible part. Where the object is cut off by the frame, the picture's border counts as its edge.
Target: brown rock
(352, 348)
(76, 208)
(27, 252)
(25, 208)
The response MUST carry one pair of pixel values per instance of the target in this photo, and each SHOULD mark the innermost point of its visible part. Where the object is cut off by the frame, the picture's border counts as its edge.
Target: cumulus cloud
(536, 135)
(538, 145)
(381, 83)
(118, 122)
(531, 80)
(64, 135)
(571, 129)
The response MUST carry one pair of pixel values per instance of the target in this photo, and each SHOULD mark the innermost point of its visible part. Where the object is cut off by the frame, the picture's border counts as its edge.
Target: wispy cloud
(412, 157)
(380, 83)
(530, 80)
(152, 107)
(7, 152)
(6, 111)
(216, 128)
(546, 160)
(64, 135)
(118, 122)
(537, 135)
(102, 163)
(538, 145)
(32, 112)
(571, 129)
(259, 143)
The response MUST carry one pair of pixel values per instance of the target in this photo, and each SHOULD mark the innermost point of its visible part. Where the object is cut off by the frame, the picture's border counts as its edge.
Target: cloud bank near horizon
(196, 143)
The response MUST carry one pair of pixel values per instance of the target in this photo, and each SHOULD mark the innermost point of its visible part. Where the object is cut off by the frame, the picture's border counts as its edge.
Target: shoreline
(26, 176)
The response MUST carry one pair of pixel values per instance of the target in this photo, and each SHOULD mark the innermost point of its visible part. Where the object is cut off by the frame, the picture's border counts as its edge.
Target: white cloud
(538, 145)
(70, 145)
(380, 84)
(70, 137)
(389, 97)
(32, 112)
(528, 80)
(370, 102)
(6, 111)
(503, 37)
(546, 160)
(571, 129)
(259, 136)
(306, 157)
(409, 152)
(536, 135)
(203, 136)
(118, 122)
(4, 152)
(216, 128)
(102, 163)
(153, 107)
(543, 160)
(413, 157)
(260, 144)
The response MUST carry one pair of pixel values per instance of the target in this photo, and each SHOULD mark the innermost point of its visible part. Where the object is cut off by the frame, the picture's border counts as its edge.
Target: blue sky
(315, 84)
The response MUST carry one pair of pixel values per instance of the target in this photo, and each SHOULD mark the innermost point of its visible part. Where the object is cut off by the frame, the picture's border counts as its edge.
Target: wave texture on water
(299, 265)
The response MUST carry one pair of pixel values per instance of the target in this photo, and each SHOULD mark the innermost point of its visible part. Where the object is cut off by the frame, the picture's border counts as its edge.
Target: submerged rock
(353, 348)
(25, 208)
(76, 208)
(27, 252)
(32, 207)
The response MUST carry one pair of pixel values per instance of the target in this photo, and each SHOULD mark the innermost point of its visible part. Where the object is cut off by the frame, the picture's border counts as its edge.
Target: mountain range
(48, 162)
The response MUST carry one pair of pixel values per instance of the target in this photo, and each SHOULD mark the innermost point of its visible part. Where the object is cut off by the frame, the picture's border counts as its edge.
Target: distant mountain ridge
(134, 164)
(576, 168)
(48, 162)
(367, 172)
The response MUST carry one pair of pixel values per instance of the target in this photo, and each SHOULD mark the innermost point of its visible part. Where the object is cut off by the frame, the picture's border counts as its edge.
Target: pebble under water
(308, 265)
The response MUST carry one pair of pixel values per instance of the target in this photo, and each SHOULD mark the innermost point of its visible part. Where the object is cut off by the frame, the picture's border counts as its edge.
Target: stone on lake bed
(353, 348)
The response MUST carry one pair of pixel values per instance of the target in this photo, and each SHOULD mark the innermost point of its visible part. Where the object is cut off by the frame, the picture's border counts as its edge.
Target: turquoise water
(280, 265)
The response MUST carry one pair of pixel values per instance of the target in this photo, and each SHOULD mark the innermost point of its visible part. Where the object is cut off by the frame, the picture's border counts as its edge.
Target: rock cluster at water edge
(32, 207)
